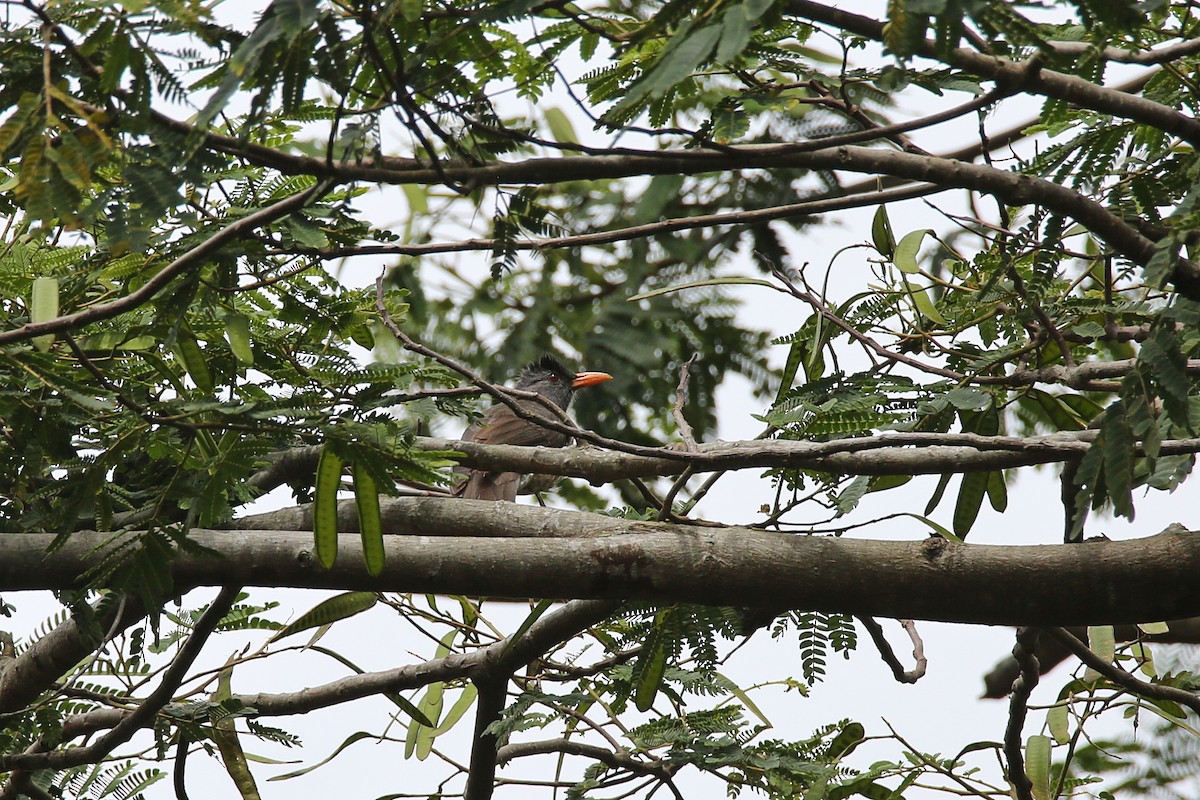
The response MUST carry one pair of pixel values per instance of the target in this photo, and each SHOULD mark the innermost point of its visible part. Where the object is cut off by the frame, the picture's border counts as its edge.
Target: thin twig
(889, 656)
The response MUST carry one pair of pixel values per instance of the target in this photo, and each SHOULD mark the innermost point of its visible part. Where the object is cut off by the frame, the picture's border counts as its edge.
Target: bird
(547, 377)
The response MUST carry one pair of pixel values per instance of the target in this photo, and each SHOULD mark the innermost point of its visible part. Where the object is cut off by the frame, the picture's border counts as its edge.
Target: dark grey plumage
(548, 378)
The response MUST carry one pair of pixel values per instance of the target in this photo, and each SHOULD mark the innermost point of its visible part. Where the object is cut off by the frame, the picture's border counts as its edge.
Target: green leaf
(1154, 628)
(682, 55)
(465, 700)
(431, 706)
(43, 307)
(970, 499)
(936, 528)
(996, 490)
(846, 741)
(741, 695)
(881, 233)
(965, 398)
(328, 481)
(1057, 721)
(370, 522)
(735, 34)
(707, 282)
(560, 125)
(1116, 443)
(652, 663)
(1037, 765)
(411, 10)
(327, 612)
(541, 608)
(237, 331)
(1102, 641)
(418, 198)
(357, 736)
(192, 357)
(923, 303)
(905, 258)
(938, 491)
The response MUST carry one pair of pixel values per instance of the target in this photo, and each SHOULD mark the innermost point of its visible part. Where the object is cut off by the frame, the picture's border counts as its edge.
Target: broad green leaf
(1116, 443)
(237, 331)
(965, 398)
(1102, 641)
(417, 196)
(741, 695)
(923, 303)
(411, 10)
(370, 523)
(229, 744)
(1145, 658)
(1057, 720)
(431, 705)
(997, 491)
(328, 481)
(465, 700)
(687, 49)
(936, 528)
(881, 233)
(43, 307)
(970, 499)
(357, 736)
(846, 741)
(541, 608)
(336, 608)
(192, 357)
(735, 34)
(652, 663)
(938, 491)
(560, 125)
(905, 258)
(1037, 765)
(1154, 628)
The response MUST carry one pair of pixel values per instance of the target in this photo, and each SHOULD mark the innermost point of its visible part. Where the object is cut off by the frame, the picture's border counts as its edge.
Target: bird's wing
(489, 486)
(501, 426)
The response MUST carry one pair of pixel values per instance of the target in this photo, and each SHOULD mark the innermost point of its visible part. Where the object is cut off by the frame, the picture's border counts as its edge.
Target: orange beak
(589, 379)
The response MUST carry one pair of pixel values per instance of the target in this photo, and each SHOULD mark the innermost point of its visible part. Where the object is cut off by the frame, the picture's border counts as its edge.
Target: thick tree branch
(36, 668)
(899, 453)
(144, 714)
(449, 547)
(914, 453)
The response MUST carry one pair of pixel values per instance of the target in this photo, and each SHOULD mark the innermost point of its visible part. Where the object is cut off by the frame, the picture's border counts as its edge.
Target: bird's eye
(554, 379)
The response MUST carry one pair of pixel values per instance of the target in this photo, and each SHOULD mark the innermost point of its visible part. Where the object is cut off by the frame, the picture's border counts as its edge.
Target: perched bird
(548, 378)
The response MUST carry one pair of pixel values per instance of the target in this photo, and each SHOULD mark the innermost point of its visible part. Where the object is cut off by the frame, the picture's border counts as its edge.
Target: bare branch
(889, 656)
(1120, 677)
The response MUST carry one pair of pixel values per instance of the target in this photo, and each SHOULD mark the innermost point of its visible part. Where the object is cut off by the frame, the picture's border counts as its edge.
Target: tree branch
(193, 258)
(1008, 73)
(36, 668)
(144, 714)
(1124, 679)
(1017, 710)
(449, 546)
